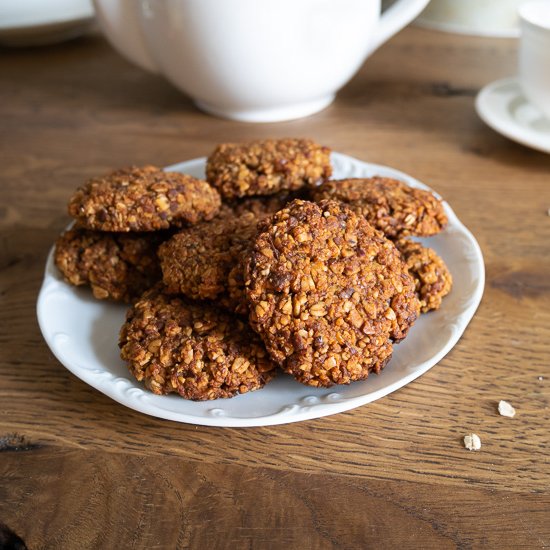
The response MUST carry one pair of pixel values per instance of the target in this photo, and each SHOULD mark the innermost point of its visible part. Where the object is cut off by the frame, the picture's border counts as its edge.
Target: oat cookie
(390, 205)
(143, 199)
(327, 293)
(117, 266)
(267, 167)
(206, 261)
(195, 350)
(432, 277)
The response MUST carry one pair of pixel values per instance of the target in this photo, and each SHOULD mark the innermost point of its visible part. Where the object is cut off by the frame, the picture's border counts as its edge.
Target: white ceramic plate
(503, 107)
(40, 22)
(83, 332)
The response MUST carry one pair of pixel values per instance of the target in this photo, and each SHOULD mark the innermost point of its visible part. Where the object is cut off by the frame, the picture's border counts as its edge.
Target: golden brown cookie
(433, 280)
(117, 266)
(143, 199)
(388, 204)
(267, 167)
(195, 350)
(327, 293)
(206, 261)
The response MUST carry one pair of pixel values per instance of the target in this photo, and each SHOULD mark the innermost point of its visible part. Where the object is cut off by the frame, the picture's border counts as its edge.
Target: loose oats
(505, 409)
(472, 442)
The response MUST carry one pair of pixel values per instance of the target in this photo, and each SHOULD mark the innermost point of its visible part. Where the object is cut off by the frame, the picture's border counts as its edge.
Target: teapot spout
(120, 22)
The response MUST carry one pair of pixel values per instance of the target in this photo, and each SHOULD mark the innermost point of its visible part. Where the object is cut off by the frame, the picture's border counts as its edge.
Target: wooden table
(80, 471)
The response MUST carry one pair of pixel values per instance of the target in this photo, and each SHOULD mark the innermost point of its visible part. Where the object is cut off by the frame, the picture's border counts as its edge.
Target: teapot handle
(397, 16)
(120, 22)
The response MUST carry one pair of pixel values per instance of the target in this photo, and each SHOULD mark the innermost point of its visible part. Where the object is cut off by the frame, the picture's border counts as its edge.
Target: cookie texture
(433, 280)
(143, 199)
(388, 204)
(261, 206)
(195, 350)
(267, 167)
(327, 293)
(206, 261)
(117, 266)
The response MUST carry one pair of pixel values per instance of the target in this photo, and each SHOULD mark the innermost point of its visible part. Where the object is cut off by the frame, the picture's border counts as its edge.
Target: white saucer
(504, 108)
(38, 23)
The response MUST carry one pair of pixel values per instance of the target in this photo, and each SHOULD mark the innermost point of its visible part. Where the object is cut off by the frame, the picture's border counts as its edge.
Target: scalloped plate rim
(286, 414)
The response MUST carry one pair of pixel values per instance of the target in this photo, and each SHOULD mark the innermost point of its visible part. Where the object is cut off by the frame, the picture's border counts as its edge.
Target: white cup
(534, 53)
(253, 60)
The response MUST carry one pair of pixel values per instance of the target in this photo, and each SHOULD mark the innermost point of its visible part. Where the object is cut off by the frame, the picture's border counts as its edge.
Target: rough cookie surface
(390, 205)
(433, 280)
(117, 266)
(327, 293)
(267, 167)
(143, 199)
(195, 350)
(206, 261)
(261, 206)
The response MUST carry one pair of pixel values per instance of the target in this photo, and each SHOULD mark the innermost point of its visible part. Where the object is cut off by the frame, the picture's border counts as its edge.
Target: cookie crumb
(472, 442)
(505, 409)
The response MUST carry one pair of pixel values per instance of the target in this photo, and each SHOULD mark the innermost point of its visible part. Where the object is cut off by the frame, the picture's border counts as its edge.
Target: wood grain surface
(77, 470)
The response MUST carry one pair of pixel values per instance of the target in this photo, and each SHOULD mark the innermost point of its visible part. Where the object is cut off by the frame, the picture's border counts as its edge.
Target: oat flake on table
(505, 409)
(472, 442)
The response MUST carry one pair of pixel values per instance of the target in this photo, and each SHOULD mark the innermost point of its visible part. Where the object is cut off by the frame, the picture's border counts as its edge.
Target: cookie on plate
(388, 204)
(117, 266)
(195, 350)
(206, 261)
(267, 167)
(327, 293)
(433, 280)
(143, 199)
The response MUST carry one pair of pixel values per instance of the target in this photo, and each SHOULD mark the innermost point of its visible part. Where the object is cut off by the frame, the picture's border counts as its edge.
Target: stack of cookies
(268, 264)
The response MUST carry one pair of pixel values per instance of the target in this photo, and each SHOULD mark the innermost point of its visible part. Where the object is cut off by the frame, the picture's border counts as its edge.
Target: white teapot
(253, 60)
